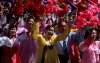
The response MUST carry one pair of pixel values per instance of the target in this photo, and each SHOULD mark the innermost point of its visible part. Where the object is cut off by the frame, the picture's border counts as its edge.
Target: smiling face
(13, 31)
(62, 27)
(94, 34)
(30, 23)
(49, 31)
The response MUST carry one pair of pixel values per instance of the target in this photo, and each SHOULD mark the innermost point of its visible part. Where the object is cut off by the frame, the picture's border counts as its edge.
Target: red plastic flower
(64, 7)
(18, 9)
(88, 17)
(83, 5)
(61, 1)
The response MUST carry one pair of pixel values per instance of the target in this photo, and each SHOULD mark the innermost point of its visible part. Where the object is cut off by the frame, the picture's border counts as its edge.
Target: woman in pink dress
(90, 47)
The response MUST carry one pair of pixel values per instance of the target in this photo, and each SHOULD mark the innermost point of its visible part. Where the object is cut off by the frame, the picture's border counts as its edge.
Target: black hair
(6, 4)
(89, 32)
(48, 27)
(10, 16)
(12, 26)
(48, 21)
(59, 23)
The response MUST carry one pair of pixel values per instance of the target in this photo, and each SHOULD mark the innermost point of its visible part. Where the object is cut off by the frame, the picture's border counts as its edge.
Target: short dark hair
(48, 27)
(89, 31)
(59, 23)
(12, 26)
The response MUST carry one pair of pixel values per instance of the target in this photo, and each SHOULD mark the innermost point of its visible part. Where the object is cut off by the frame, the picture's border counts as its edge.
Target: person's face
(62, 27)
(94, 34)
(30, 24)
(13, 31)
(50, 32)
(12, 21)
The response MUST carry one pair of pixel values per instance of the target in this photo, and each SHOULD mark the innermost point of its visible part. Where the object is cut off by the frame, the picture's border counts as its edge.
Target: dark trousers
(63, 58)
(1, 52)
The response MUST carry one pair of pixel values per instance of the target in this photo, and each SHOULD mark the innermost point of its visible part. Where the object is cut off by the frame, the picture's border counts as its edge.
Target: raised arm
(63, 35)
(36, 35)
(35, 30)
(42, 40)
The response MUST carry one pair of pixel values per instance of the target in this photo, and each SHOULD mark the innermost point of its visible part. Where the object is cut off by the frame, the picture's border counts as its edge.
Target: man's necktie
(64, 47)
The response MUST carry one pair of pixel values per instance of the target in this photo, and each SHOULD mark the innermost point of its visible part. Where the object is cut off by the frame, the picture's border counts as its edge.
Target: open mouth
(50, 34)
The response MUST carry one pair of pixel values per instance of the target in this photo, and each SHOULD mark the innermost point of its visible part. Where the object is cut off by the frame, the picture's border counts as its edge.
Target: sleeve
(21, 35)
(17, 40)
(83, 46)
(96, 50)
(42, 41)
(36, 35)
(62, 36)
(2, 42)
(98, 44)
(99, 47)
(35, 30)
(8, 42)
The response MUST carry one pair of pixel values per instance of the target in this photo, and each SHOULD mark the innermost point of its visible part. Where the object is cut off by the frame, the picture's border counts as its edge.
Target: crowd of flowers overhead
(39, 7)
(87, 12)
(87, 15)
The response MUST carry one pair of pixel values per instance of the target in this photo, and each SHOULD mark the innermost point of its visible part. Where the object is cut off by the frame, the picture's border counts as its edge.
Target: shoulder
(39, 36)
(55, 35)
(83, 42)
(97, 42)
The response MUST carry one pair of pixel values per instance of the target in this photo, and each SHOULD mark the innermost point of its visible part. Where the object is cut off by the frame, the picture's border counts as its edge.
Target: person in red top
(11, 54)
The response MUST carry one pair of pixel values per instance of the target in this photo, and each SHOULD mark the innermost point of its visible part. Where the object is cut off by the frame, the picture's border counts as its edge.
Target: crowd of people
(47, 39)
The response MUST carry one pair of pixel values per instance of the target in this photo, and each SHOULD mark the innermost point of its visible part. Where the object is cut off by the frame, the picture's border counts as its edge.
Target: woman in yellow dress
(47, 40)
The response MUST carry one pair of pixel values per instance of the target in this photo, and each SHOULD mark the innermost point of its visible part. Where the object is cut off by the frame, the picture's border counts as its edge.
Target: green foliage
(84, 6)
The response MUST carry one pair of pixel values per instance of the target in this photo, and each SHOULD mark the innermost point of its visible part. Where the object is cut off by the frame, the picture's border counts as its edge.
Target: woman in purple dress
(28, 45)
